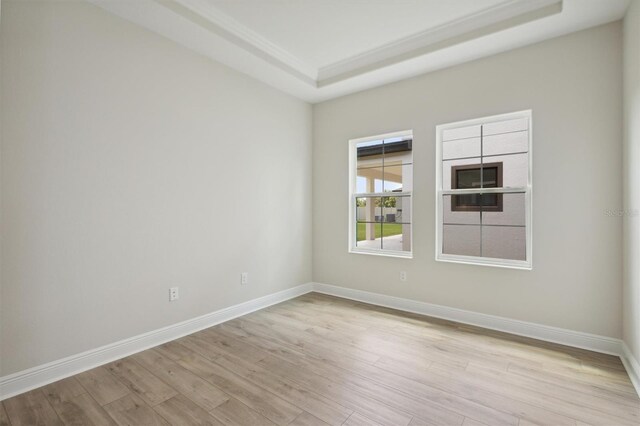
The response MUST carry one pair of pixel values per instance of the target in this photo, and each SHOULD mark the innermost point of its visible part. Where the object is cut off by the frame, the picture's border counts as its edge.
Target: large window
(381, 183)
(483, 191)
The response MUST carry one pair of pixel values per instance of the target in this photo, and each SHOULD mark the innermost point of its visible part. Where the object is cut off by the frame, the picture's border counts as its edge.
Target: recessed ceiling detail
(320, 49)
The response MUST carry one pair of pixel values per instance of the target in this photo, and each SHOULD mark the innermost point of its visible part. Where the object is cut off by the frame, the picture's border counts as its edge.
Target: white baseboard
(35, 377)
(632, 366)
(562, 336)
(576, 339)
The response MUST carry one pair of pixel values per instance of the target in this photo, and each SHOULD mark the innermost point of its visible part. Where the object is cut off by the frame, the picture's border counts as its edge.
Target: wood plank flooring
(320, 360)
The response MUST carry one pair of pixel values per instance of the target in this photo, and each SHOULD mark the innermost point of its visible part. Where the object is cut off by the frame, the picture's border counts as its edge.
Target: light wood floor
(319, 360)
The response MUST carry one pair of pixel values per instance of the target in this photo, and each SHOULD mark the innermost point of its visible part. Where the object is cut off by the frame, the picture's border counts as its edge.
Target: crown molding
(207, 17)
(204, 14)
(201, 27)
(499, 17)
(487, 21)
(180, 24)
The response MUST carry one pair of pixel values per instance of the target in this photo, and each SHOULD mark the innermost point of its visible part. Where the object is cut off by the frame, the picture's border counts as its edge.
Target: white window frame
(528, 190)
(353, 170)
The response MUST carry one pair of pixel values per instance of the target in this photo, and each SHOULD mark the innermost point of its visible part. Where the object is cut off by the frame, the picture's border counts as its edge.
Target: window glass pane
(512, 125)
(368, 148)
(368, 232)
(396, 237)
(397, 177)
(476, 202)
(461, 240)
(515, 169)
(467, 178)
(368, 235)
(398, 157)
(451, 170)
(461, 133)
(369, 209)
(396, 209)
(458, 216)
(476, 176)
(505, 143)
(369, 165)
(397, 165)
(369, 179)
(398, 149)
(461, 148)
(504, 242)
(511, 211)
(491, 175)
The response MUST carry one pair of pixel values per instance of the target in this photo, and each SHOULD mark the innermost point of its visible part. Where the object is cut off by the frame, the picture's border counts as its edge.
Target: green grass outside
(385, 230)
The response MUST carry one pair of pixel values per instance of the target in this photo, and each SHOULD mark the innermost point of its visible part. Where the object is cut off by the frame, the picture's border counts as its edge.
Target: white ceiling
(321, 49)
(322, 32)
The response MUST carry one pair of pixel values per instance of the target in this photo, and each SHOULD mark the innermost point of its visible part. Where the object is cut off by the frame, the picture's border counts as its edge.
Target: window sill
(484, 261)
(385, 253)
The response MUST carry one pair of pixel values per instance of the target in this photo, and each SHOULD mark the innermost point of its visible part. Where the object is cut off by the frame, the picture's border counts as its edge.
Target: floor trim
(35, 377)
(547, 333)
(631, 365)
(577, 339)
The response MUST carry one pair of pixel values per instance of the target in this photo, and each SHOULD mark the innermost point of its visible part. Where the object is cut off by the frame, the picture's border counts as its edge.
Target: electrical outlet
(173, 294)
(244, 278)
(403, 275)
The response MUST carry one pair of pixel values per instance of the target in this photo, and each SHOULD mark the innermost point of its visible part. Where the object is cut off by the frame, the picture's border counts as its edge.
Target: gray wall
(130, 165)
(631, 212)
(574, 88)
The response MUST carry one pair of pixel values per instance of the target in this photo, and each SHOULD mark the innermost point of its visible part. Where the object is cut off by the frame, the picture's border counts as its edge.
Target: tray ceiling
(321, 49)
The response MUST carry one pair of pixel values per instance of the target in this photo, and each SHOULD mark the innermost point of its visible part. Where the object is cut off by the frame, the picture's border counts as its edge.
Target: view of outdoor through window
(382, 197)
(477, 176)
(484, 190)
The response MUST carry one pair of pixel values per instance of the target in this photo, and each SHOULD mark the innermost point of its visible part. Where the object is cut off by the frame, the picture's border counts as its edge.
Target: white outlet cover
(174, 294)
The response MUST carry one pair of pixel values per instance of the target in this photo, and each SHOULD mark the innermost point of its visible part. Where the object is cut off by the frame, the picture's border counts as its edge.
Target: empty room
(320, 212)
